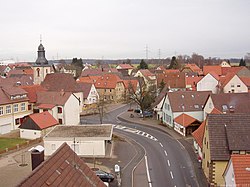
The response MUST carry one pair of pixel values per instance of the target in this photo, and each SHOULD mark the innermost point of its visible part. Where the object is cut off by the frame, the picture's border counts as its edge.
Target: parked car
(104, 176)
(147, 114)
(137, 110)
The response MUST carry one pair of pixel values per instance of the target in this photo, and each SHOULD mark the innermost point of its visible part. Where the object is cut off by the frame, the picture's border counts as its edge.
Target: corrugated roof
(63, 168)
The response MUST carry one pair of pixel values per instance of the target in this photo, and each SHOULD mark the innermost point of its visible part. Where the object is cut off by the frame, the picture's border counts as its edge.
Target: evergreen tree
(162, 85)
(143, 65)
(174, 63)
(242, 62)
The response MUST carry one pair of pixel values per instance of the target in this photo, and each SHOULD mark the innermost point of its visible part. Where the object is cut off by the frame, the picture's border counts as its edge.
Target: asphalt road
(168, 162)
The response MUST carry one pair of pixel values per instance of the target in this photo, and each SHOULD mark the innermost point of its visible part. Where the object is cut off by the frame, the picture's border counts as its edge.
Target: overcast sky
(114, 29)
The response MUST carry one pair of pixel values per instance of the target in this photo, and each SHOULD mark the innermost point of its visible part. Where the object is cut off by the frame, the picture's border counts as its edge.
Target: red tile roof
(38, 121)
(56, 98)
(89, 79)
(199, 133)
(146, 72)
(125, 66)
(225, 80)
(7, 91)
(171, 71)
(85, 88)
(235, 70)
(32, 92)
(108, 81)
(194, 68)
(172, 80)
(134, 83)
(190, 80)
(215, 69)
(241, 174)
(216, 76)
(185, 120)
(63, 168)
(246, 81)
(46, 106)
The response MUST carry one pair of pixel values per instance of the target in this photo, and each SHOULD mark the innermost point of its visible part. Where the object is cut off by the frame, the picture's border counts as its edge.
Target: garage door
(6, 128)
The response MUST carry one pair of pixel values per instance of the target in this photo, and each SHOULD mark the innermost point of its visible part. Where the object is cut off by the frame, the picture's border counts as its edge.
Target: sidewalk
(187, 142)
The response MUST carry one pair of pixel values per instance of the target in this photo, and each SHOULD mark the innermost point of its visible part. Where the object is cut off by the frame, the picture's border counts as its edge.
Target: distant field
(10, 142)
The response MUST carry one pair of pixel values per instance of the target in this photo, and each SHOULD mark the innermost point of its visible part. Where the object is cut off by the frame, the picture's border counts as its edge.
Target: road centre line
(165, 152)
(161, 144)
(168, 163)
(171, 174)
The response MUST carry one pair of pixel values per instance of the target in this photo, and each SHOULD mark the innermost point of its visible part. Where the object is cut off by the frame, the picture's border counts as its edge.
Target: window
(29, 107)
(17, 121)
(238, 85)
(1, 110)
(110, 90)
(60, 121)
(59, 110)
(38, 72)
(232, 85)
(23, 107)
(53, 146)
(207, 164)
(8, 109)
(15, 107)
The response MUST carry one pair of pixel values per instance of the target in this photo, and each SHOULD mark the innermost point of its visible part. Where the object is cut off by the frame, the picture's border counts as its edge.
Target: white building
(233, 84)
(63, 106)
(85, 140)
(209, 83)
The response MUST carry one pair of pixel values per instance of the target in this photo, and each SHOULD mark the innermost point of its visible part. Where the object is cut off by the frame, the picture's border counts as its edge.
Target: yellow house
(224, 135)
(13, 107)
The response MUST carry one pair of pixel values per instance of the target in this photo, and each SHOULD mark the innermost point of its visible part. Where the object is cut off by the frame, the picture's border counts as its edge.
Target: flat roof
(63, 131)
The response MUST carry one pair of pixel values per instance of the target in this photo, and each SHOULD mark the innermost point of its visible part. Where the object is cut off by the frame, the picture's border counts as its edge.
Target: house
(90, 94)
(192, 68)
(185, 124)
(184, 102)
(199, 133)
(225, 64)
(110, 87)
(125, 67)
(192, 81)
(85, 140)
(232, 83)
(210, 82)
(228, 103)
(63, 82)
(68, 68)
(14, 105)
(174, 81)
(32, 91)
(148, 77)
(63, 106)
(237, 172)
(225, 135)
(63, 168)
(157, 105)
(37, 125)
(17, 80)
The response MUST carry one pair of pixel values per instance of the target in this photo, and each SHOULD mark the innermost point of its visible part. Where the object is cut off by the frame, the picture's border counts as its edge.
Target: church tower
(41, 67)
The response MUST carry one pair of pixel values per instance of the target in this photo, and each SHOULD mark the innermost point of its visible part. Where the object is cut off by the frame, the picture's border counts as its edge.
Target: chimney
(231, 109)
(37, 156)
(62, 92)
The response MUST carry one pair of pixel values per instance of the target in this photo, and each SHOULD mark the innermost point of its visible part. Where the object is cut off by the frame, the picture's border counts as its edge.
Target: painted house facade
(14, 105)
(209, 83)
(63, 106)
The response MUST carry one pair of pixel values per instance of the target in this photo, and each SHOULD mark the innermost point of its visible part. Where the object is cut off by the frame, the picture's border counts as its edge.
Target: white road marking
(149, 180)
(165, 152)
(181, 144)
(171, 174)
(161, 144)
(168, 163)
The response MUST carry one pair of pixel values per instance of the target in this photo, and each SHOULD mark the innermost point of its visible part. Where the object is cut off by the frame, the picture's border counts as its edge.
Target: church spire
(41, 59)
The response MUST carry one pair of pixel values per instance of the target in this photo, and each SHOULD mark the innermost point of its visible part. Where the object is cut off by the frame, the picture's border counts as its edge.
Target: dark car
(137, 110)
(147, 114)
(104, 176)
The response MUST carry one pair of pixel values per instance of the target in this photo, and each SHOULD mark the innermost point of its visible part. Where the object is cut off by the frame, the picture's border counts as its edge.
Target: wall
(93, 96)
(209, 106)
(229, 175)
(71, 111)
(220, 167)
(238, 86)
(30, 134)
(207, 83)
(88, 148)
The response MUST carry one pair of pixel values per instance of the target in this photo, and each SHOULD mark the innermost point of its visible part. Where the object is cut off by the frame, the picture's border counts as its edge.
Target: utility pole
(159, 53)
(146, 51)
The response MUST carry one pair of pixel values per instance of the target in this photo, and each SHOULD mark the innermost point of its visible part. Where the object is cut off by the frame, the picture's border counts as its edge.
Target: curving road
(168, 162)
